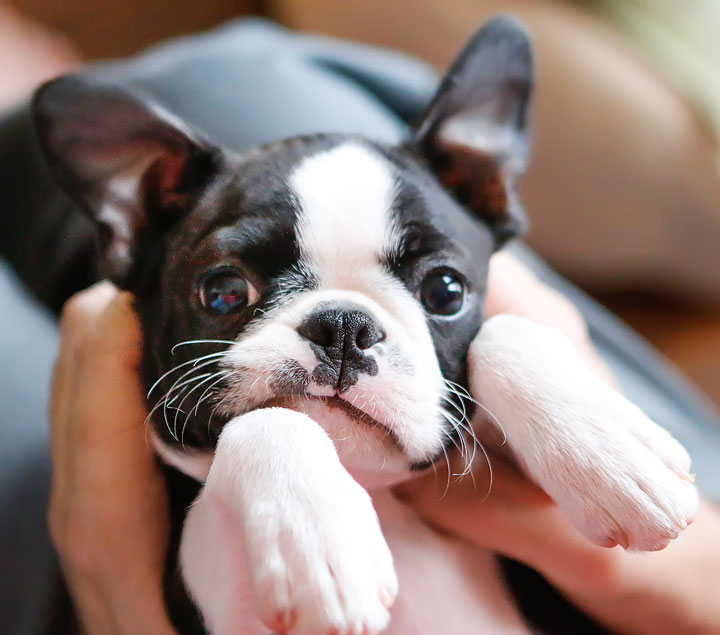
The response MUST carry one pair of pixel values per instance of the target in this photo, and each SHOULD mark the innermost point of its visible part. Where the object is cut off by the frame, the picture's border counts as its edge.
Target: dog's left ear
(474, 134)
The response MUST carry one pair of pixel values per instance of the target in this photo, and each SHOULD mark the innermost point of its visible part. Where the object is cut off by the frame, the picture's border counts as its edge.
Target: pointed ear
(474, 134)
(132, 166)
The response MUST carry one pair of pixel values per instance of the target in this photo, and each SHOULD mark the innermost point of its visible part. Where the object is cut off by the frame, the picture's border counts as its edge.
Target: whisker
(182, 388)
(192, 390)
(187, 373)
(190, 342)
(463, 393)
(459, 446)
(194, 361)
(206, 392)
(477, 443)
(160, 402)
(449, 470)
(461, 411)
(166, 401)
(459, 428)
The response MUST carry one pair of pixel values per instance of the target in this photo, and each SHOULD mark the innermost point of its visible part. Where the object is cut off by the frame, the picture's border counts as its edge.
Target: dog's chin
(367, 447)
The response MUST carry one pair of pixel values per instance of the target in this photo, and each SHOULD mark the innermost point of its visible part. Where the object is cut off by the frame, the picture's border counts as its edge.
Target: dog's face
(348, 285)
(329, 274)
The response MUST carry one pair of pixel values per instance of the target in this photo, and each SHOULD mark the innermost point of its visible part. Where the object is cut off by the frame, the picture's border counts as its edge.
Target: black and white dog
(311, 315)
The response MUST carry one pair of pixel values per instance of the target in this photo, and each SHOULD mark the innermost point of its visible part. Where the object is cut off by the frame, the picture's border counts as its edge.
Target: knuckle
(74, 312)
(85, 306)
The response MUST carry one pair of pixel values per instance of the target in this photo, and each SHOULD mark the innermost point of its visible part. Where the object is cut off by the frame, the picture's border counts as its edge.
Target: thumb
(494, 507)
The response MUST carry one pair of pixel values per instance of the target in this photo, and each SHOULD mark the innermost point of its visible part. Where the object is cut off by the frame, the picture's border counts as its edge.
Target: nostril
(341, 332)
(319, 332)
(368, 335)
(324, 336)
(363, 337)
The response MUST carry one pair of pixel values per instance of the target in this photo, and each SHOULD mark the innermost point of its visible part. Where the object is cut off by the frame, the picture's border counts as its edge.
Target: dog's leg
(215, 571)
(620, 477)
(279, 509)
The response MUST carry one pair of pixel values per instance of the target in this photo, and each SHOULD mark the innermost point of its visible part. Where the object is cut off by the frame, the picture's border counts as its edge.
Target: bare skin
(108, 506)
(109, 523)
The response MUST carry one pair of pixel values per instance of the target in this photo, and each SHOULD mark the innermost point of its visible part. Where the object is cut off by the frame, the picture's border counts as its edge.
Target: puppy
(311, 314)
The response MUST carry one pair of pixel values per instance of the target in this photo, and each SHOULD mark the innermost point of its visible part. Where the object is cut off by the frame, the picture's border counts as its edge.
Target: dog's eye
(442, 292)
(226, 290)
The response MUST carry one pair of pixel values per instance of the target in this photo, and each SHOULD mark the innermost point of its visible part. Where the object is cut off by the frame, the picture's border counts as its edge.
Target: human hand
(108, 506)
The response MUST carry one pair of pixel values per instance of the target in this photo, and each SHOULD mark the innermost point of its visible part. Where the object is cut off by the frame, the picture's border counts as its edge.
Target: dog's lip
(359, 415)
(337, 402)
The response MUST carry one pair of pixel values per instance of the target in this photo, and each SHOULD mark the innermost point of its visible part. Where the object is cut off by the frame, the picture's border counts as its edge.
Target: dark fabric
(31, 596)
(245, 84)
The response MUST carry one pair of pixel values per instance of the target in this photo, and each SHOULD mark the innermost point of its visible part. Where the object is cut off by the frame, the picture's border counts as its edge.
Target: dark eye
(442, 293)
(225, 291)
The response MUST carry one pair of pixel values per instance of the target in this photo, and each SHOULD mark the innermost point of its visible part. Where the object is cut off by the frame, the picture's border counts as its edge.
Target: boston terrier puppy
(312, 316)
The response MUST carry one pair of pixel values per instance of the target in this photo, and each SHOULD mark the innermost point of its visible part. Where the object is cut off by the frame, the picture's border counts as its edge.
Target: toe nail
(284, 620)
(622, 539)
(387, 598)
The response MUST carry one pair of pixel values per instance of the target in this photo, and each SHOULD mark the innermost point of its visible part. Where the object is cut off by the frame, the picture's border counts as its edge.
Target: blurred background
(624, 184)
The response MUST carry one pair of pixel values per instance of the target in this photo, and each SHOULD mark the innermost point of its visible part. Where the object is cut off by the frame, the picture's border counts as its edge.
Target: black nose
(339, 337)
(342, 333)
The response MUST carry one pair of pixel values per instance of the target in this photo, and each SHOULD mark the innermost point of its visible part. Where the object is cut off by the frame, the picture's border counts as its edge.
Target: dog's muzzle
(340, 337)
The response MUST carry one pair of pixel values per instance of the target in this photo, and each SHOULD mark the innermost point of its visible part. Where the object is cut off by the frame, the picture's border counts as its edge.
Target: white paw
(316, 555)
(627, 482)
(320, 565)
(621, 478)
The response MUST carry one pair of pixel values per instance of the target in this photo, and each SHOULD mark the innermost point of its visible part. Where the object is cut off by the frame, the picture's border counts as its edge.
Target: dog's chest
(445, 585)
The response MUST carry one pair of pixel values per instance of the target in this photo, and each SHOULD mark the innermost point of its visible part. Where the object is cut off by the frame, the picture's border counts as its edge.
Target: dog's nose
(342, 333)
(339, 337)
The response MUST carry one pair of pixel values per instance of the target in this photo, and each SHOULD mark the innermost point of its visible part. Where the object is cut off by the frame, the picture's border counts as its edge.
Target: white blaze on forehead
(345, 222)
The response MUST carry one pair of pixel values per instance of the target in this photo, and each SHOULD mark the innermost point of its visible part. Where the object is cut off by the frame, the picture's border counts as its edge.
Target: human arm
(108, 509)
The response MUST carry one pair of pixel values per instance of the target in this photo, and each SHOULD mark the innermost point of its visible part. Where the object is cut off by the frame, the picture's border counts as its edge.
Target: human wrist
(104, 609)
(636, 592)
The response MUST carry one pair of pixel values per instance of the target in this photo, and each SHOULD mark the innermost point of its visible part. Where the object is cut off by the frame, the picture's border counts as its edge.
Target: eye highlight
(225, 291)
(442, 292)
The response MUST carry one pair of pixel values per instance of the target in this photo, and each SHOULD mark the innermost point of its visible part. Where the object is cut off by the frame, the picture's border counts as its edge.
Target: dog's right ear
(132, 166)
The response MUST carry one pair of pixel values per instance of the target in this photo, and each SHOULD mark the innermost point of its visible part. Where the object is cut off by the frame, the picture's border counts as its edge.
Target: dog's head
(330, 274)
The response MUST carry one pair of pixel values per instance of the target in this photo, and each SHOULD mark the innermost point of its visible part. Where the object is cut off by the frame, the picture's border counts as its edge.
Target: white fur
(346, 196)
(278, 500)
(621, 478)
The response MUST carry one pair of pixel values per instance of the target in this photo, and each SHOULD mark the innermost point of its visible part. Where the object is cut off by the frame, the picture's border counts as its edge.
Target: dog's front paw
(316, 555)
(621, 478)
(320, 564)
(627, 482)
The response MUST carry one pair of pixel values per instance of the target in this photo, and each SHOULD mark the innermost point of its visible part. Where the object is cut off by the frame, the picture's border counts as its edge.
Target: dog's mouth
(335, 402)
(352, 411)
